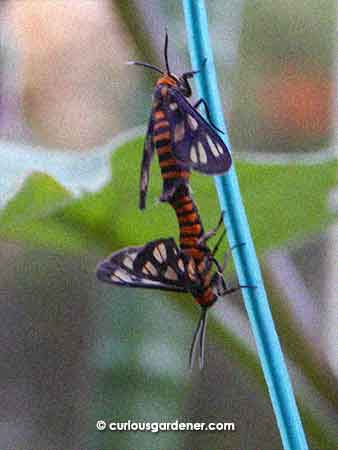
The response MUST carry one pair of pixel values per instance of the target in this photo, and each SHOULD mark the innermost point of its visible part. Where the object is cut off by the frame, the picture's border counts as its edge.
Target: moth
(184, 140)
(161, 264)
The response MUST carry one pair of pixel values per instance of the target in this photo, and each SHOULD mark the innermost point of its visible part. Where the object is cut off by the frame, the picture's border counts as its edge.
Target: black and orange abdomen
(176, 192)
(189, 222)
(173, 171)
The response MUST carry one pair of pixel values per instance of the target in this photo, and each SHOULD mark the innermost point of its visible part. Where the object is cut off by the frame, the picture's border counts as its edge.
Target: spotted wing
(157, 265)
(195, 141)
(148, 153)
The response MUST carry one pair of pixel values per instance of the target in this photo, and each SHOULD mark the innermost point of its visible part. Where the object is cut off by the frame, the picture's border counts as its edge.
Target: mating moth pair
(183, 140)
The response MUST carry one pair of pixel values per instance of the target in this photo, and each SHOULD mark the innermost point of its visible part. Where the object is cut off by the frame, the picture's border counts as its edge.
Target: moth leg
(220, 268)
(170, 189)
(226, 255)
(209, 234)
(218, 243)
(206, 107)
(185, 79)
(169, 192)
(194, 345)
(237, 288)
(221, 285)
(202, 337)
(199, 338)
(225, 261)
(191, 74)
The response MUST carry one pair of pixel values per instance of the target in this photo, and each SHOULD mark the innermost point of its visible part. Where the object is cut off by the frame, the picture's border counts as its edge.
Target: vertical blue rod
(246, 262)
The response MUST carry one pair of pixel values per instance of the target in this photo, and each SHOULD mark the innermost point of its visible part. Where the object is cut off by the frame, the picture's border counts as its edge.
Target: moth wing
(143, 267)
(148, 154)
(195, 141)
(163, 261)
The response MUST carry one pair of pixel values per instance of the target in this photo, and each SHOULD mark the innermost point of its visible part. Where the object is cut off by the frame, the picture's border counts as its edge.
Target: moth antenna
(166, 51)
(149, 66)
(202, 336)
(194, 343)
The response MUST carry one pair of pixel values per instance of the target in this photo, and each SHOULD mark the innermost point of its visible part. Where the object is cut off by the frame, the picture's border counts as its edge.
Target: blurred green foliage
(283, 202)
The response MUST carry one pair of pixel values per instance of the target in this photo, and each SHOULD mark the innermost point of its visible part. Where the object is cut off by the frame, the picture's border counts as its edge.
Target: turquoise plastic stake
(246, 262)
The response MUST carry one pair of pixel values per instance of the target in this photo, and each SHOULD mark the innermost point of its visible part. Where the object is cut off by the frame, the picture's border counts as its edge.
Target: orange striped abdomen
(173, 171)
(189, 221)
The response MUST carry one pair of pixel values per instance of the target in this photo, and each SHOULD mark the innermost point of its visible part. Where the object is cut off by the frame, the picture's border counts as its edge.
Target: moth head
(168, 78)
(180, 83)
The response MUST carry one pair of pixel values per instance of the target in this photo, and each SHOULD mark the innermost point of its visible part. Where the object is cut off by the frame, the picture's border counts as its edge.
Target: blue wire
(246, 262)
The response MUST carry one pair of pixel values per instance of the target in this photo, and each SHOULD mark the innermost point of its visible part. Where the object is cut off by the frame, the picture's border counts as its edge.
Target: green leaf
(39, 193)
(30, 215)
(283, 202)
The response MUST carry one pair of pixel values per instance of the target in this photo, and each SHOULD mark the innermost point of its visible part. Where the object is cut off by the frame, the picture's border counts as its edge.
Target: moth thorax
(164, 91)
(168, 80)
(208, 298)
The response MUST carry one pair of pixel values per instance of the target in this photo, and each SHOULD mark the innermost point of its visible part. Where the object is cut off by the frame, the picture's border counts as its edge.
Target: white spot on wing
(150, 282)
(203, 156)
(115, 278)
(180, 265)
(128, 262)
(170, 274)
(193, 154)
(192, 122)
(220, 149)
(122, 275)
(157, 255)
(160, 253)
(149, 268)
(191, 269)
(173, 106)
(163, 251)
(212, 146)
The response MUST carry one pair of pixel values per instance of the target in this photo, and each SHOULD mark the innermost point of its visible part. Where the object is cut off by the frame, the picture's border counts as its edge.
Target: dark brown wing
(148, 154)
(158, 265)
(195, 142)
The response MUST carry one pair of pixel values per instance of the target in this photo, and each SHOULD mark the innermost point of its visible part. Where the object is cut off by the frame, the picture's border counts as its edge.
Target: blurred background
(72, 116)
